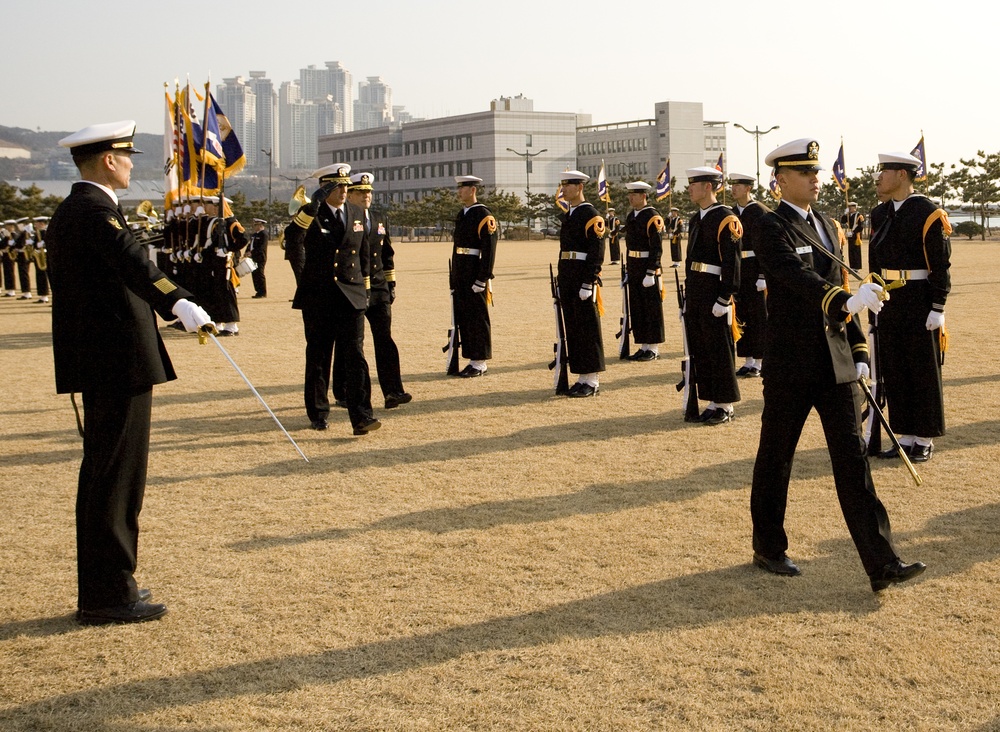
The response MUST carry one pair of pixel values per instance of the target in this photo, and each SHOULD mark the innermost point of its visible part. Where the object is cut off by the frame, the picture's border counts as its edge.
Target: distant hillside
(44, 146)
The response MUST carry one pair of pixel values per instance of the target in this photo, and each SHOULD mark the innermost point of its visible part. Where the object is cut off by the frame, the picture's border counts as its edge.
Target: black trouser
(42, 281)
(786, 407)
(379, 315)
(344, 326)
(258, 277)
(24, 273)
(109, 495)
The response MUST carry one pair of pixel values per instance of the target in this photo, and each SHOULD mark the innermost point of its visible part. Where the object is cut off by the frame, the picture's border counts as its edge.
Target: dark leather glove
(318, 197)
(392, 292)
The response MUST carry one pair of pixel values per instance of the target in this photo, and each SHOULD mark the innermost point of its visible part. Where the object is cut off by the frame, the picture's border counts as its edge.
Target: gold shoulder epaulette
(598, 225)
(490, 223)
(939, 214)
(656, 221)
(735, 227)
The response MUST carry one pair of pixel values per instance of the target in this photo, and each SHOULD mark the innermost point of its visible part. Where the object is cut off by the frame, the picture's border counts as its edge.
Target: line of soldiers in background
(727, 317)
(22, 247)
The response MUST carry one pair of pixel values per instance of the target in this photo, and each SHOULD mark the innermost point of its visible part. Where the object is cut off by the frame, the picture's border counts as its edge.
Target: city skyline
(859, 71)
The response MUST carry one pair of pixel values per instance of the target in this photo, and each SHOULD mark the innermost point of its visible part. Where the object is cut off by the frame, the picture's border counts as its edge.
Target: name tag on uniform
(381, 229)
(358, 226)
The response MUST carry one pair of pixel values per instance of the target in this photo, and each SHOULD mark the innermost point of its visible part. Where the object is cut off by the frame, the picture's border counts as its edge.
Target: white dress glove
(478, 287)
(192, 316)
(648, 281)
(869, 295)
(863, 371)
(586, 292)
(935, 320)
(761, 284)
(719, 310)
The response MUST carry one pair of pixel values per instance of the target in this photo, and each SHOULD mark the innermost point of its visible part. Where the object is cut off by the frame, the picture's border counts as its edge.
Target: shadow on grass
(727, 595)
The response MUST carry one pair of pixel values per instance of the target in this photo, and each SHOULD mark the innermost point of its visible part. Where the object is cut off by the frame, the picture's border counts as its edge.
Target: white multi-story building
(511, 147)
(639, 149)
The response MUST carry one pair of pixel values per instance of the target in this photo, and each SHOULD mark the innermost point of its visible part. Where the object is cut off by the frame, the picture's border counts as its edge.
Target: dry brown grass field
(494, 557)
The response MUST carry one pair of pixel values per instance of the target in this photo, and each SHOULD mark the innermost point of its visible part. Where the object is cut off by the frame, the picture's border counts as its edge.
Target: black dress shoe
(319, 424)
(471, 372)
(258, 297)
(366, 426)
(581, 391)
(134, 612)
(921, 453)
(644, 355)
(394, 400)
(743, 371)
(718, 415)
(783, 566)
(895, 572)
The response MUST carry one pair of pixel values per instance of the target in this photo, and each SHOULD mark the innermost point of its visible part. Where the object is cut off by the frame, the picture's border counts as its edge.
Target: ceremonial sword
(864, 384)
(203, 335)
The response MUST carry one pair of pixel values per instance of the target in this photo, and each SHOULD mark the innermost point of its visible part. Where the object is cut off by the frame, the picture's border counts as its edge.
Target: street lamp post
(528, 155)
(269, 168)
(756, 132)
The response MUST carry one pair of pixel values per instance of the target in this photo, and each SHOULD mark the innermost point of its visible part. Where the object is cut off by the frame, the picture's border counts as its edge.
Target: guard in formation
(581, 252)
(712, 277)
(612, 232)
(333, 295)
(751, 301)
(912, 245)
(257, 251)
(815, 353)
(382, 294)
(472, 258)
(106, 347)
(644, 230)
(853, 223)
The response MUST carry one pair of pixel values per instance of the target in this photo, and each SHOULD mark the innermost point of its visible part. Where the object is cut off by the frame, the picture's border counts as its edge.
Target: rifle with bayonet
(560, 364)
(624, 344)
(452, 348)
(687, 384)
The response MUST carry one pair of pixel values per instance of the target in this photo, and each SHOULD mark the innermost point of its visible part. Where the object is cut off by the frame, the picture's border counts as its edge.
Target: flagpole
(847, 185)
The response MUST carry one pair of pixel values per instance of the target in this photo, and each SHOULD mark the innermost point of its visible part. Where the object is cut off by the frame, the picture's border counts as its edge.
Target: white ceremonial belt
(803, 250)
(642, 255)
(747, 255)
(466, 250)
(572, 255)
(905, 274)
(708, 268)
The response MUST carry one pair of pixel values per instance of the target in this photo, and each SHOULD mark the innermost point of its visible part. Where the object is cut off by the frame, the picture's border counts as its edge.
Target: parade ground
(494, 557)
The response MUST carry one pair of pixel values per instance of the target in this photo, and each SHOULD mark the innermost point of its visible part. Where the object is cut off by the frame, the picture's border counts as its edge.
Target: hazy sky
(872, 73)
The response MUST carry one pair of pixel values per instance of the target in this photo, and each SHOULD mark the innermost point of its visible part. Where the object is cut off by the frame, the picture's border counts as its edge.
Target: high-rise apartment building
(238, 100)
(374, 105)
(267, 116)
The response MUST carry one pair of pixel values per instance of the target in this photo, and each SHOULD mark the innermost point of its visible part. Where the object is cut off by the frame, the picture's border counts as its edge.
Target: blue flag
(919, 153)
(663, 182)
(839, 174)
